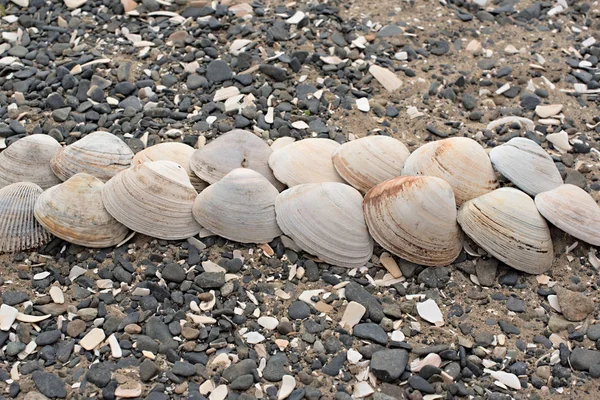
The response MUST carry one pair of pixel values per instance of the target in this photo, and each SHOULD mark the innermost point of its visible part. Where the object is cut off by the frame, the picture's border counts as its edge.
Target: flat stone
(49, 384)
(388, 365)
(370, 331)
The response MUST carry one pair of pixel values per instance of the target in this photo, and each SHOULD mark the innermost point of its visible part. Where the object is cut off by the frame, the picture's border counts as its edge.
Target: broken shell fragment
(414, 217)
(326, 219)
(506, 224)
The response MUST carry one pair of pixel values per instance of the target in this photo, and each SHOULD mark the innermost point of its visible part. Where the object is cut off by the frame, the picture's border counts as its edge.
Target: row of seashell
(413, 216)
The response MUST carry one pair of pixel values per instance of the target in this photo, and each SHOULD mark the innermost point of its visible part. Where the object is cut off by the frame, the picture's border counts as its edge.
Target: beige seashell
(414, 217)
(18, 228)
(28, 160)
(370, 160)
(326, 220)
(172, 151)
(460, 161)
(526, 165)
(385, 77)
(305, 161)
(235, 149)
(73, 211)
(100, 154)
(506, 224)
(154, 198)
(239, 207)
(573, 210)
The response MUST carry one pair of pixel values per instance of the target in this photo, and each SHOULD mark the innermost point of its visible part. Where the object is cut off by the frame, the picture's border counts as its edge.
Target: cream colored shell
(305, 161)
(326, 220)
(235, 149)
(154, 198)
(171, 151)
(414, 217)
(526, 165)
(370, 160)
(506, 224)
(239, 207)
(100, 154)
(18, 228)
(28, 160)
(573, 210)
(73, 211)
(460, 161)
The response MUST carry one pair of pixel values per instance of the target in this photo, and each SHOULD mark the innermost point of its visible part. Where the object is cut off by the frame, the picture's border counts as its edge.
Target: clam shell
(73, 211)
(154, 198)
(460, 161)
(526, 165)
(305, 161)
(573, 210)
(172, 151)
(18, 228)
(28, 160)
(414, 217)
(506, 224)
(239, 207)
(100, 154)
(235, 149)
(370, 160)
(326, 220)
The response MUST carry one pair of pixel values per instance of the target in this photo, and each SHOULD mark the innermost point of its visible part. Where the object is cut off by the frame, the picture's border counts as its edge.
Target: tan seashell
(172, 151)
(28, 160)
(460, 161)
(506, 224)
(414, 217)
(73, 211)
(235, 149)
(370, 160)
(18, 228)
(305, 161)
(100, 154)
(239, 207)
(573, 210)
(326, 219)
(526, 165)
(154, 198)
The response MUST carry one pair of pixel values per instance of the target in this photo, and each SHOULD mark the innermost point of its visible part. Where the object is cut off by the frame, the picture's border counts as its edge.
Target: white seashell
(573, 210)
(363, 104)
(73, 211)
(234, 149)
(28, 160)
(172, 151)
(325, 219)
(305, 161)
(545, 111)
(32, 319)
(239, 207)
(430, 312)
(288, 384)
(560, 140)
(529, 124)
(460, 161)
(506, 224)
(281, 142)
(154, 198)
(8, 314)
(385, 77)
(370, 160)
(18, 228)
(414, 217)
(526, 165)
(100, 154)
(73, 4)
(430, 359)
(239, 46)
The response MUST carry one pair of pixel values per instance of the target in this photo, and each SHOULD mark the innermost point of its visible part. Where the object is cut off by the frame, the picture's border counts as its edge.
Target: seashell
(235, 149)
(326, 220)
(18, 228)
(172, 151)
(305, 161)
(100, 154)
(526, 165)
(154, 198)
(506, 224)
(414, 217)
(460, 161)
(239, 207)
(28, 160)
(370, 160)
(73, 211)
(573, 210)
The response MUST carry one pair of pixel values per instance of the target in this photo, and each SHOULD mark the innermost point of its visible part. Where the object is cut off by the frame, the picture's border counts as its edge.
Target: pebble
(388, 365)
